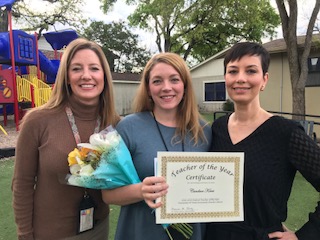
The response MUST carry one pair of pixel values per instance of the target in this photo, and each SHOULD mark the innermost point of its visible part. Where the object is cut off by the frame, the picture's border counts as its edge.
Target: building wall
(276, 86)
(124, 92)
(312, 106)
(277, 95)
(44, 45)
(212, 71)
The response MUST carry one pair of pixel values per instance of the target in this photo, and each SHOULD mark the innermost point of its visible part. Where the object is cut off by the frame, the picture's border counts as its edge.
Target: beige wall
(313, 105)
(43, 44)
(210, 68)
(276, 97)
(272, 98)
(124, 92)
(278, 94)
(209, 72)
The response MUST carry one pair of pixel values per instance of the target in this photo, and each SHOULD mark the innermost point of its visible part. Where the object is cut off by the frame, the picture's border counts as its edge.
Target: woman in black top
(275, 148)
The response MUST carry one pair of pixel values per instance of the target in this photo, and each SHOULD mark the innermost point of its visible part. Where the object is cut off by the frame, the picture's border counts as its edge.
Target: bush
(228, 106)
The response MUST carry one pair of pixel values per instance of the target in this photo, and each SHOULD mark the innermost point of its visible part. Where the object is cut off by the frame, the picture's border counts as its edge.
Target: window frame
(214, 82)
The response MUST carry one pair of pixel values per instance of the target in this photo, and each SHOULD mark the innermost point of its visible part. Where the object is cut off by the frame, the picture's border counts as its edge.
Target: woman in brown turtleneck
(43, 207)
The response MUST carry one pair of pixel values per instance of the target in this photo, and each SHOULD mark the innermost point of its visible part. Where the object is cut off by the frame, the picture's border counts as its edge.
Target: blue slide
(48, 67)
(57, 40)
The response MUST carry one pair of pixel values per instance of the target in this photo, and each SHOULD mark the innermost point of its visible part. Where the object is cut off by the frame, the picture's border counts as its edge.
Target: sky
(305, 8)
(121, 11)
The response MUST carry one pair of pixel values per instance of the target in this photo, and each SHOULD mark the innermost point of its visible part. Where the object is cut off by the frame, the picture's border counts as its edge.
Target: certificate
(203, 187)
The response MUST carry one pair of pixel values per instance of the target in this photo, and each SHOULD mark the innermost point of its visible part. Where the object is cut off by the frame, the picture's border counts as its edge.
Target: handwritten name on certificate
(203, 187)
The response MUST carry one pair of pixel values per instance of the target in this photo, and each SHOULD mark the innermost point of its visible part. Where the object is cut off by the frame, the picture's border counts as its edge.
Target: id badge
(86, 213)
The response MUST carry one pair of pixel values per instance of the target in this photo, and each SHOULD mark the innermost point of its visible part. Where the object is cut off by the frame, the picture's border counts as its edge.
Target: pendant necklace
(164, 143)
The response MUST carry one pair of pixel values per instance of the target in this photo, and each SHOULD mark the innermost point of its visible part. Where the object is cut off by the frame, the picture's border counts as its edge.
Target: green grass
(8, 229)
(7, 224)
(208, 117)
(114, 214)
(303, 200)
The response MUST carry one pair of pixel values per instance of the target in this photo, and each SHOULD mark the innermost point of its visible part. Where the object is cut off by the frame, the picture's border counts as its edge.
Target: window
(314, 64)
(314, 72)
(214, 91)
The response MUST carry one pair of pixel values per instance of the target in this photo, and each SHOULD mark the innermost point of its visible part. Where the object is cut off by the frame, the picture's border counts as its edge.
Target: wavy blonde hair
(188, 116)
(61, 92)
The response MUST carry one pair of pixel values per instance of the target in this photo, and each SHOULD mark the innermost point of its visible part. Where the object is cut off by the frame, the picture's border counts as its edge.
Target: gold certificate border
(204, 159)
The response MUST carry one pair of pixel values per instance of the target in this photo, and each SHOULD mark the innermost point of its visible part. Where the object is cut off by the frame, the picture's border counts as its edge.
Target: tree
(119, 44)
(3, 21)
(297, 58)
(201, 28)
(65, 12)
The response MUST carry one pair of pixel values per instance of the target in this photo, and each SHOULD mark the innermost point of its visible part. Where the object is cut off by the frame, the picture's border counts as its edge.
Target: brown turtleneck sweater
(47, 209)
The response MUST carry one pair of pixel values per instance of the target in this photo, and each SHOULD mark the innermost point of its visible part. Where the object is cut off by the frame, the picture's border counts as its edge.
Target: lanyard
(164, 143)
(74, 126)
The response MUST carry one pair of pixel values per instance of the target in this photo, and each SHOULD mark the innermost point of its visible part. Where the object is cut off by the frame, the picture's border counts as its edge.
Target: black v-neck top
(273, 153)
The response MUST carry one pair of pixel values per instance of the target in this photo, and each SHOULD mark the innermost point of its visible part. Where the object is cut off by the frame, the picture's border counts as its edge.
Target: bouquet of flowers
(105, 163)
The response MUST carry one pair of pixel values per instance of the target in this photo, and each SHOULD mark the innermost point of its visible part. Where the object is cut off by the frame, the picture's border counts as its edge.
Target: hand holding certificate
(203, 187)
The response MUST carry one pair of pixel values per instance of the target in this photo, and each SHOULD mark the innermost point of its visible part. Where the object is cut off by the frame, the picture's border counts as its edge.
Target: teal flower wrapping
(104, 163)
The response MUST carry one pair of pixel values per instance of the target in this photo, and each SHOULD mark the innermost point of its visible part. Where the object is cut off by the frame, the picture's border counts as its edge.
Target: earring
(262, 88)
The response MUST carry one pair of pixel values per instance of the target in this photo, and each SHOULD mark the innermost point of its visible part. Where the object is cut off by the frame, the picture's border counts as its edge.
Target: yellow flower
(72, 157)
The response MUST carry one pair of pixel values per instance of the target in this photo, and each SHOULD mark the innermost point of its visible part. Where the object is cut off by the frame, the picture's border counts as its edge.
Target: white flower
(75, 169)
(86, 170)
(102, 141)
(85, 159)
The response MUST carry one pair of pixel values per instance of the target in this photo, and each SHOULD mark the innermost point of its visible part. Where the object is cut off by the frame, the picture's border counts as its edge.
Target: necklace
(73, 125)
(160, 133)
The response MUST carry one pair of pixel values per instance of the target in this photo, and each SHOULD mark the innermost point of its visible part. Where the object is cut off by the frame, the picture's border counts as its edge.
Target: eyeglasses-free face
(86, 76)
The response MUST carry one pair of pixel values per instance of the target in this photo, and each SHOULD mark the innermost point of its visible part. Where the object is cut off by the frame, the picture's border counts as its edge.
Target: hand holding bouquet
(105, 163)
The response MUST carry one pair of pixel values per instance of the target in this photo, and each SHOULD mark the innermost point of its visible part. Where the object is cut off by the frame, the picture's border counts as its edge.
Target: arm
(123, 195)
(149, 190)
(23, 182)
(305, 157)
(128, 128)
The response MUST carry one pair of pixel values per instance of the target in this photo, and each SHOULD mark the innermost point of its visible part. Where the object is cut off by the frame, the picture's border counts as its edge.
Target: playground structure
(26, 74)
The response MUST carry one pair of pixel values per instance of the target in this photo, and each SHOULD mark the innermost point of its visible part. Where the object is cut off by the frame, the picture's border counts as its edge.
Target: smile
(241, 88)
(167, 97)
(87, 85)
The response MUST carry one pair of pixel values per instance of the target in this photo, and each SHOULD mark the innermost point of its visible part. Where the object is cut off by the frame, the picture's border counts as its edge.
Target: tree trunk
(297, 60)
(298, 102)
(167, 45)
(3, 20)
(297, 86)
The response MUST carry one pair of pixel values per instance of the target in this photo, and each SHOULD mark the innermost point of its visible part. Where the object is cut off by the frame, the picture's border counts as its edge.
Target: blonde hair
(61, 92)
(188, 116)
